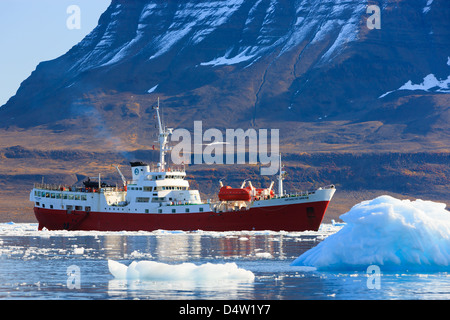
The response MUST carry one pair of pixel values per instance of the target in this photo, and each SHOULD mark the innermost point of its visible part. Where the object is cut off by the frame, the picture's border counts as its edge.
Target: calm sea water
(35, 265)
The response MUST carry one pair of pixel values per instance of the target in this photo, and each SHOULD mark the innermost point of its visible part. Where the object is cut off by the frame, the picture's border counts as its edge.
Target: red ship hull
(292, 217)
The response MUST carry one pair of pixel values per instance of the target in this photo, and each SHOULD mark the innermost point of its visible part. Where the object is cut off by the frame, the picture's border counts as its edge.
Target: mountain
(372, 91)
(312, 66)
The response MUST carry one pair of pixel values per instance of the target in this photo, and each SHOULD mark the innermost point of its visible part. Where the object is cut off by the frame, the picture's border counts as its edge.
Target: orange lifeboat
(227, 193)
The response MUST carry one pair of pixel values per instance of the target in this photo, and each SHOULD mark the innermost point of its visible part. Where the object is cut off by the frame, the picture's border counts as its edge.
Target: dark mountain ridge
(261, 62)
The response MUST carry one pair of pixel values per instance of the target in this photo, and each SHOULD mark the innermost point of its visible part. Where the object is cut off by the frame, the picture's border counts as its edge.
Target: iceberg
(157, 271)
(390, 233)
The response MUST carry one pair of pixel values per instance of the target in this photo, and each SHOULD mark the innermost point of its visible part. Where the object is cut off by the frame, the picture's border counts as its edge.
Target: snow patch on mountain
(152, 89)
(428, 6)
(318, 21)
(227, 60)
(161, 26)
(201, 18)
(429, 82)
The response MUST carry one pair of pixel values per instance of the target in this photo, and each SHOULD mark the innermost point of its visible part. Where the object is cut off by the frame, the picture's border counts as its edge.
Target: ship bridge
(163, 187)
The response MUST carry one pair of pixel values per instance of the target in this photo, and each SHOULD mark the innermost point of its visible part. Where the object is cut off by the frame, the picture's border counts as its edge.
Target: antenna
(163, 140)
(280, 179)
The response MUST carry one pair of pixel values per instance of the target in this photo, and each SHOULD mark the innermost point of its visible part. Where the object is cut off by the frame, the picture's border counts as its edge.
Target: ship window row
(65, 196)
(162, 177)
(172, 188)
(150, 189)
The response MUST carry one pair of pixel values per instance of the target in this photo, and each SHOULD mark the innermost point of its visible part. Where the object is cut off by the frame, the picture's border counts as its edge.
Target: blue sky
(32, 31)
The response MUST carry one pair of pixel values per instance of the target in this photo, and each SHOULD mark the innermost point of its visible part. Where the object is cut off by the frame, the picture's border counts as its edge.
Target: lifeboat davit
(228, 193)
(264, 192)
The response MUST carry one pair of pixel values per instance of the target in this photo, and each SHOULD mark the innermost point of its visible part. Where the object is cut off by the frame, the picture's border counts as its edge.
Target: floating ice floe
(157, 271)
(391, 233)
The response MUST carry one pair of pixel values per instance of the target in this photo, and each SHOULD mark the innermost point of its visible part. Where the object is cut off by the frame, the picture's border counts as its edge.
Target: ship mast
(280, 178)
(163, 140)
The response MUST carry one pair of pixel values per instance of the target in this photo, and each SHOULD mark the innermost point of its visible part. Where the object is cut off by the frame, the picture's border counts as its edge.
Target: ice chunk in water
(157, 271)
(391, 233)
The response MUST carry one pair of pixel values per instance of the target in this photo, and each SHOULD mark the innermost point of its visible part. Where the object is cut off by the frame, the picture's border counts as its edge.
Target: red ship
(160, 198)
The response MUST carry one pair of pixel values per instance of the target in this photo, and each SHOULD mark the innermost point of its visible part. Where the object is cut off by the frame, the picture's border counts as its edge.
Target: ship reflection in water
(25, 252)
(179, 246)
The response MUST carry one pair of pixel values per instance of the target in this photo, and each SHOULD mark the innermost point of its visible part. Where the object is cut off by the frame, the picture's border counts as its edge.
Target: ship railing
(61, 187)
(176, 168)
(302, 193)
(172, 168)
(51, 187)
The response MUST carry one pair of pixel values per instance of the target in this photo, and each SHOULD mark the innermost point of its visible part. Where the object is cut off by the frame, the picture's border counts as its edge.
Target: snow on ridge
(226, 60)
(429, 82)
(319, 20)
(316, 20)
(428, 6)
(147, 11)
(152, 89)
(348, 33)
(101, 52)
(193, 21)
(190, 15)
(251, 14)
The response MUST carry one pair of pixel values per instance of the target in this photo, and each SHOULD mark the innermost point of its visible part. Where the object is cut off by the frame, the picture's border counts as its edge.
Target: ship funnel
(139, 169)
